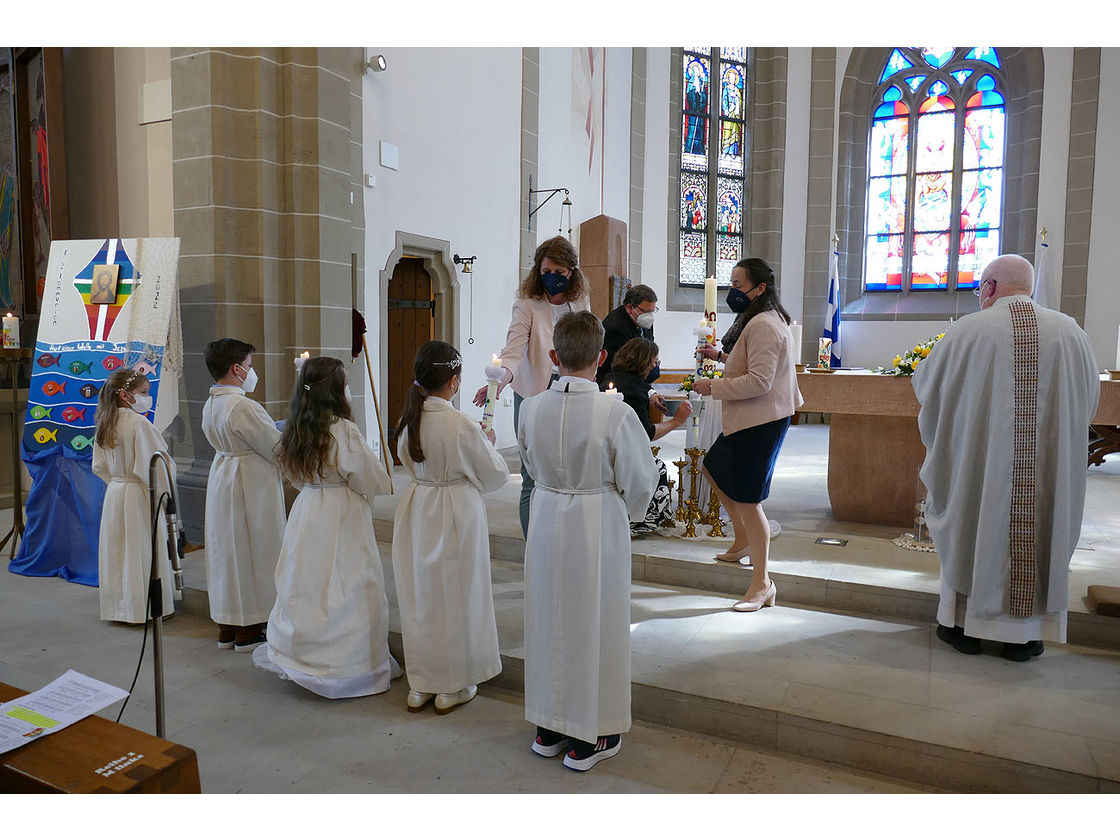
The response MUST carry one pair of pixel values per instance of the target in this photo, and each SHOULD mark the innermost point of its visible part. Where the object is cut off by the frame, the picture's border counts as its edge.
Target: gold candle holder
(655, 450)
(692, 511)
(679, 513)
(713, 516)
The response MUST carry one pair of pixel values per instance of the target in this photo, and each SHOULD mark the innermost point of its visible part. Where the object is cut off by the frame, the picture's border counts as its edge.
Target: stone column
(266, 147)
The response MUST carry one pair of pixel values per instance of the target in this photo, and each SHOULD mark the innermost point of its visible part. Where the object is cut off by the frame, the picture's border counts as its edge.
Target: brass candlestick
(679, 513)
(655, 450)
(690, 519)
(692, 511)
(713, 516)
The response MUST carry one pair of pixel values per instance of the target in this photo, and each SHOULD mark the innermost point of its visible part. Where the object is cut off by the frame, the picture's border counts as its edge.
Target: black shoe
(250, 644)
(583, 756)
(955, 636)
(1022, 652)
(548, 743)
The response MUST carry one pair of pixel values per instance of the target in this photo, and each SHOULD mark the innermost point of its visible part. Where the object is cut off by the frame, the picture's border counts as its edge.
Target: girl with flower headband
(329, 628)
(441, 541)
(124, 442)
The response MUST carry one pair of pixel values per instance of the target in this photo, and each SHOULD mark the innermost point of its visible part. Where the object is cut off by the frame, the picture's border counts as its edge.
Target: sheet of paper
(52, 708)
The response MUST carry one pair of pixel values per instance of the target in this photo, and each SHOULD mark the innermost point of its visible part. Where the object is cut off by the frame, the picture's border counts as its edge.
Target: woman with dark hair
(441, 542)
(630, 368)
(555, 286)
(759, 394)
(329, 628)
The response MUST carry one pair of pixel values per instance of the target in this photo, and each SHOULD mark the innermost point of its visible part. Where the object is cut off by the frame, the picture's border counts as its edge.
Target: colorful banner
(107, 303)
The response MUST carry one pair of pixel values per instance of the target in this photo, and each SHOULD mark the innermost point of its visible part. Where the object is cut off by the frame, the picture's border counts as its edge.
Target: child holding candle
(441, 541)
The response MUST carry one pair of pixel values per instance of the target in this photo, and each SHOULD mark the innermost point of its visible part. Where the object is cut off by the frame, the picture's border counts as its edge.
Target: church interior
(413, 185)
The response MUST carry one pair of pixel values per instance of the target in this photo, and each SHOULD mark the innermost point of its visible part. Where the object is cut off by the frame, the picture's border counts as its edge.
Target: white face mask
(346, 393)
(645, 320)
(142, 404)
(250, 381)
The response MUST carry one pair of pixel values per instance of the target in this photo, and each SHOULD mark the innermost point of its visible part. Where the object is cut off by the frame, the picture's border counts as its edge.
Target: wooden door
(411, 318)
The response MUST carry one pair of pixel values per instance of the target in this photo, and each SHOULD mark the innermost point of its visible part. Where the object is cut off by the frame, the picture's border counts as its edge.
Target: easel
(12, 356)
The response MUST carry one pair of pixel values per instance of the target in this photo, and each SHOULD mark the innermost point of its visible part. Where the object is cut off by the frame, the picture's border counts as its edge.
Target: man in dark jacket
(634, 319)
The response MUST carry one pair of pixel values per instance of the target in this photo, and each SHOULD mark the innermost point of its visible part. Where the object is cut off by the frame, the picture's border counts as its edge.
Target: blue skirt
(742, 464)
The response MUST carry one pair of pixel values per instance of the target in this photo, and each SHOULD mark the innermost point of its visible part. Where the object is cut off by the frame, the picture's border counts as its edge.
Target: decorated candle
(1117, 348)
(795, 328)
(710, 299)
(824, 355)
(11, 331)
(493, 377)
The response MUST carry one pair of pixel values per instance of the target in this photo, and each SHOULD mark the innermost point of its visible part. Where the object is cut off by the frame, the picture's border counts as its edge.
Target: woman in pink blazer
(758, 393)
(554, 287)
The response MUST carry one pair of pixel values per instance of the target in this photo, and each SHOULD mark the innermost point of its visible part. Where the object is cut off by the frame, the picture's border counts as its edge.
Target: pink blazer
(528, 341)
(759, 381)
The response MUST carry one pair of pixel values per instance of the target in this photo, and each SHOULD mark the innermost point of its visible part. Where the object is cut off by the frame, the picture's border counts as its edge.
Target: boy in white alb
(594, 472)
(244, 499)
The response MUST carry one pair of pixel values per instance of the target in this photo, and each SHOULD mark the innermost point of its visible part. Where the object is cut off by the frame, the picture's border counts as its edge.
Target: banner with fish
(107, 304)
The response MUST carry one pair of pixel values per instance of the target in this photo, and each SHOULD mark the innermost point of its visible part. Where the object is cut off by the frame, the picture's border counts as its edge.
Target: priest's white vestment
(594, 473)
(441, 553)
(1006, 398)
(244, 508)
(124, 546)
(329, 629)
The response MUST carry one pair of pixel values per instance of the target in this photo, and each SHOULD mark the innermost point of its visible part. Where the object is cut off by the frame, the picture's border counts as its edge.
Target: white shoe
(446, 702)
(417, 700)
(775, 528)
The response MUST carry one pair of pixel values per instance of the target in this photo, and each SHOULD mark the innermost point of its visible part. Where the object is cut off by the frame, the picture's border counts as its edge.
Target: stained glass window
(935, 169)
(714, 150)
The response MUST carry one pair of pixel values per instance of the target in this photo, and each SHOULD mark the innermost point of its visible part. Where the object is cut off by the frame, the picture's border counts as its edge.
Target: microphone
(176, 541)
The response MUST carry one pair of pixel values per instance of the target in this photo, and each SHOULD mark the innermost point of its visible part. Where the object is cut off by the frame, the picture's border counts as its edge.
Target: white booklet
(52, 708)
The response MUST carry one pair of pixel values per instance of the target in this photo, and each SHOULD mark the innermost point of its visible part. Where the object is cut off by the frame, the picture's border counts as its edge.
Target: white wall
(1102, 299)
(455, 116)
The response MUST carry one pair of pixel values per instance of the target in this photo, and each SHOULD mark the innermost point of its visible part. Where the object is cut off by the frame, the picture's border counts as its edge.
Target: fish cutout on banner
(47, 359)
(50, 387)
(42, 435)
(78, 368)
(80, 442)
(38, 412)
(113, 362)
(89, 390)
(70, 414)
(144, 368)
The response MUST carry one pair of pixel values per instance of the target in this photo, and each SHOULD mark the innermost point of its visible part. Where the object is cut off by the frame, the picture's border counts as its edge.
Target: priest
(1006, 397)
(594, 473)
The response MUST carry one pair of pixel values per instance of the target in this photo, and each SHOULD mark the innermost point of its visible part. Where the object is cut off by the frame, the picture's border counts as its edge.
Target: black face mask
(737, 301)
(554, 282)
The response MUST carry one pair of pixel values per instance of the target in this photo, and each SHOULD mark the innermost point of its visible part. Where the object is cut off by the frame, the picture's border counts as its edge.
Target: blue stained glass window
(714, 148)
(896, 62)
(937, 56)
(987, 54)
(925, 146)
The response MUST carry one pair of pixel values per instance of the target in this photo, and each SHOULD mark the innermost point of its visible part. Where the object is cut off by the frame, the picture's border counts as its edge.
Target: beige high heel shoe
(767, 599)
(735, 556)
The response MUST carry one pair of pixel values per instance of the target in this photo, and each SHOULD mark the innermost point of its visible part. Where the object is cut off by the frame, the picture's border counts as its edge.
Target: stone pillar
(267, 155)
(602, 252)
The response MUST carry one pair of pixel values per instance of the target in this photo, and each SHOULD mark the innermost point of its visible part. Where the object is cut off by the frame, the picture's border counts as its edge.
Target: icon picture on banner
(103, 289)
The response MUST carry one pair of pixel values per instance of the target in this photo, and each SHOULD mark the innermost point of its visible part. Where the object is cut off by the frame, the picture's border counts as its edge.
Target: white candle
(493, 377)
(11, 331)
(796, 329)
(710, 298)
(1117, 349)
(612, 391)
(305, 355)
(495, 361)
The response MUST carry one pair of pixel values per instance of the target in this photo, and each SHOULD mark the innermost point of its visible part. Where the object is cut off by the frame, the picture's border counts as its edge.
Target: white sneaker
(417, 700)
(775, 528)
(446, 702)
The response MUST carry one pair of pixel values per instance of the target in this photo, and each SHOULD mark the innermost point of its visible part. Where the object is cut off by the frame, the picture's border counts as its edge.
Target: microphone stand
(155, 585)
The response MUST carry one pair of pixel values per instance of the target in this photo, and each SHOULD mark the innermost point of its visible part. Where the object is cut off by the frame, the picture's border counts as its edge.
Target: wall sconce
(376, 63)
(566, 205)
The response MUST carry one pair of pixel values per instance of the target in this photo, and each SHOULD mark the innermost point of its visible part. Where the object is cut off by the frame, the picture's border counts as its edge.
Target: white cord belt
(578, 491)
(429, 483)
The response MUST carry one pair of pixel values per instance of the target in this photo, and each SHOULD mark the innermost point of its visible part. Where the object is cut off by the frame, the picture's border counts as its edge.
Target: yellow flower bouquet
(905, 363)
(686, 385)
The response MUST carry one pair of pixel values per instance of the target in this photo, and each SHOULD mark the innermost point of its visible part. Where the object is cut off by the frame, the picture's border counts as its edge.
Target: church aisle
(256, 734)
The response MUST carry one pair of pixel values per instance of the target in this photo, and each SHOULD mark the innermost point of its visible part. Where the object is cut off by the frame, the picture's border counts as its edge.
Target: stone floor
(801, 694)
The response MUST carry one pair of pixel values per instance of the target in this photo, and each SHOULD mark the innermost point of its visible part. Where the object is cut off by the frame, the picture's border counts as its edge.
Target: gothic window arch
(713, 155)
(935, 172)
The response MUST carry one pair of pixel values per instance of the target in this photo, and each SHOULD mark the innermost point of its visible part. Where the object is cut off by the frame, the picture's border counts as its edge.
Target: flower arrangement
(686, 385)
(907, 362)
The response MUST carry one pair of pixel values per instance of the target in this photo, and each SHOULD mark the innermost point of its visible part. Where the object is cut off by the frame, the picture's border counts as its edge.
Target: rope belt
(577, 491)
(429, 483)
(325, 484)
(236, 454)
(129, 480)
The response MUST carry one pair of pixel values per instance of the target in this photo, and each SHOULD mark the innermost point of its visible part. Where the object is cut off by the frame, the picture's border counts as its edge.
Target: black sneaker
(250, 645)
(1022, 652)
(583, 756)
(955, 636)
(548, 743)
